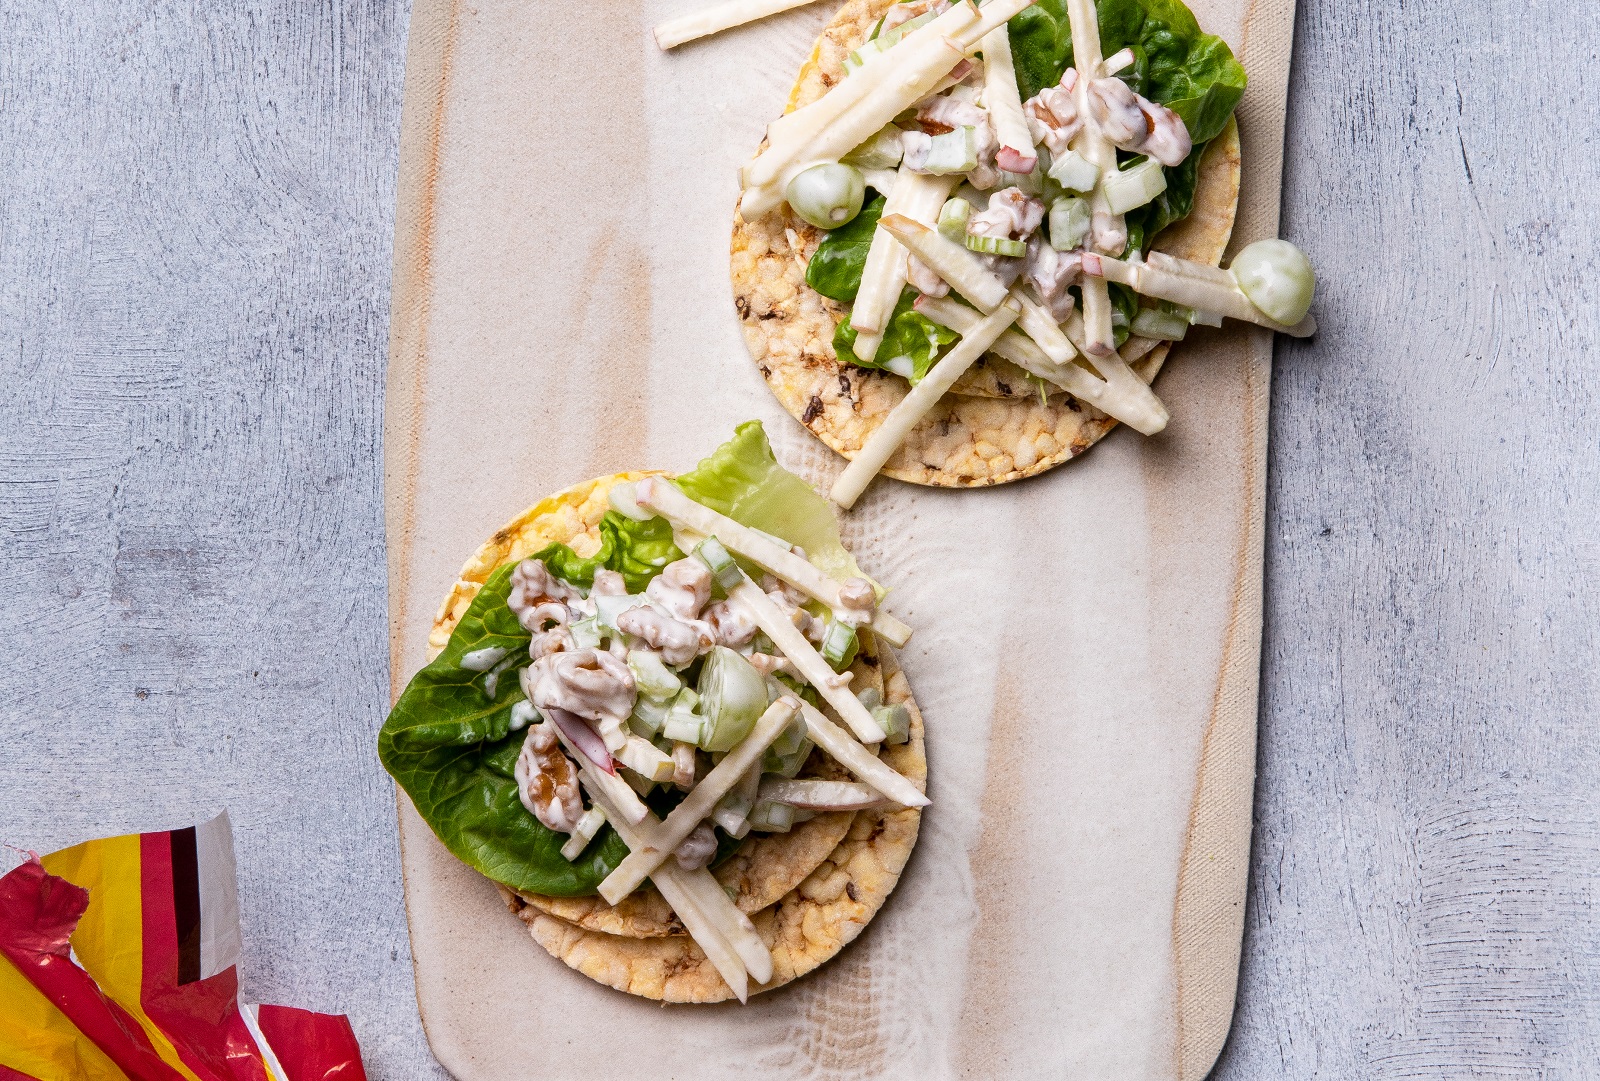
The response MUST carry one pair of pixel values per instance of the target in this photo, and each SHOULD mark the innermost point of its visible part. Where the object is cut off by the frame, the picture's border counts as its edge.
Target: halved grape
(1278, 279)
(827, 195)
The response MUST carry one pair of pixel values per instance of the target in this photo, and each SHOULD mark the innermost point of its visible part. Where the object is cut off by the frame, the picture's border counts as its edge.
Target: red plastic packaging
(119, 962)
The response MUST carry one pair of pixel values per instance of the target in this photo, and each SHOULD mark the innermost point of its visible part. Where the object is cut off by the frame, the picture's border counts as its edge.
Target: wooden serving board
(1087, 642)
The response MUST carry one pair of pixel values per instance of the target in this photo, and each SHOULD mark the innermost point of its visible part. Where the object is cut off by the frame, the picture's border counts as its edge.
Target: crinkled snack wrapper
(119, 962)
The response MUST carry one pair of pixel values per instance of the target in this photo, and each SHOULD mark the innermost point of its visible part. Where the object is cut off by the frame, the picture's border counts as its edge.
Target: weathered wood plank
(1427, 849)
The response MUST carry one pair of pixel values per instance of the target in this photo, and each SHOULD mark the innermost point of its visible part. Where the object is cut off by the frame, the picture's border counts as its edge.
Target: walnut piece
(547, 783)
(588, 683)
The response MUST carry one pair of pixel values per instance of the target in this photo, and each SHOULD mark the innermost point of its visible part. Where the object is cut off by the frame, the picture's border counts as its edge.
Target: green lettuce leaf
(909, 334)
(1041, 42)
(1190, 72)
(453, 751)
(835, 269)
(636, 550)
(451, 747)
(743, 480)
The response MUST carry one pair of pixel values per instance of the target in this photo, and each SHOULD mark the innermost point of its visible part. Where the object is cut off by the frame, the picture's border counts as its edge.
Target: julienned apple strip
(702, 799)
(899, 78)
(1109, 232)
(808, 663)
(1004, 102)
(726, 934)
(667, 500)
(717, 18)
(1185, 283)
(882, 443)
(918, 196)
(1122, 394)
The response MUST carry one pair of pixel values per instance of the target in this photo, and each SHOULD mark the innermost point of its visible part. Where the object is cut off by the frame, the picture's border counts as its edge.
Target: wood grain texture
(1426, 852)
(195, 229)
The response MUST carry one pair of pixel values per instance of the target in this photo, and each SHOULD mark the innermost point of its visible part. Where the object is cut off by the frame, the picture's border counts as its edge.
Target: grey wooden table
(196, 209)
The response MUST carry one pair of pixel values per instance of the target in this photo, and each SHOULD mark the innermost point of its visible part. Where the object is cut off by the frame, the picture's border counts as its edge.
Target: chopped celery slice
(895, 721)
(583, 833)
(1200, 318)
(883, 151)
(789, 751)
(870, 697)
(791, 739)
(1033, 183)
(770, 817)
(720, 563)
(787, 765)
(1130, 189)
(838, 643)
(952, 152)
(648, 716)
(1069, 223)
(1074, 172)
(587, 633)
(653, 678)
(736, 803)
(1162, 325)
(996, 245)
(953, 218)
(682, 724)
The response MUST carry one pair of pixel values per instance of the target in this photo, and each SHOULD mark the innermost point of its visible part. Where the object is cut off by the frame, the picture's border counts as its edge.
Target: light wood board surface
(194, 256)
(1087, 647)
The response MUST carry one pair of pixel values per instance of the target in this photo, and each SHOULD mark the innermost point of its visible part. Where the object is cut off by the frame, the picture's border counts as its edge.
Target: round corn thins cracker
(763, 869)
(791, 883)
(807, 926)
(992, 427)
